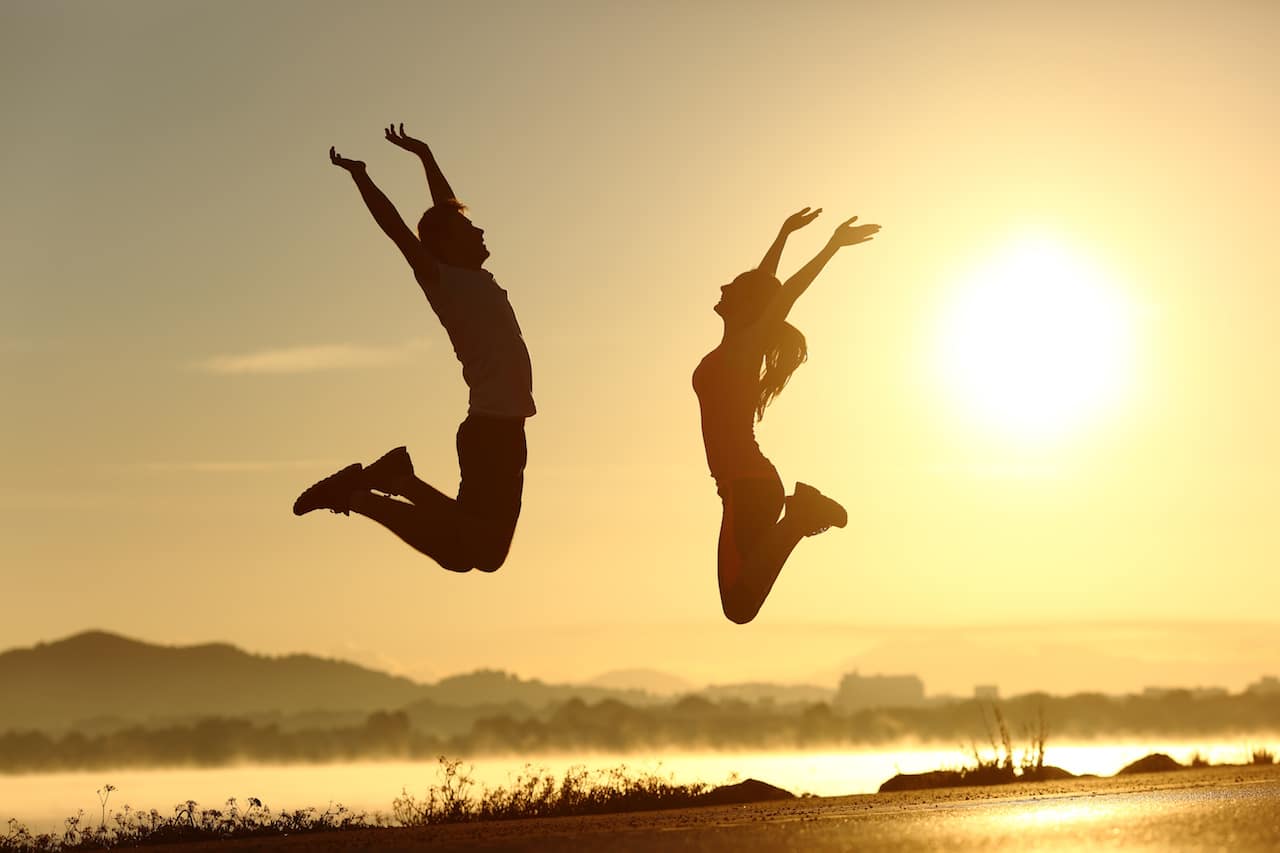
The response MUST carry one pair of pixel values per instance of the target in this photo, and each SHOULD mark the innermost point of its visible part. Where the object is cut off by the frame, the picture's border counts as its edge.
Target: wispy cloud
(309, 359)
(24, 346)
(241, 467)
(34, 499)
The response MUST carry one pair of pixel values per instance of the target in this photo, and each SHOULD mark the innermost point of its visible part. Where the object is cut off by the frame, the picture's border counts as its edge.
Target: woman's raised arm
(794, 222)
(846, 234)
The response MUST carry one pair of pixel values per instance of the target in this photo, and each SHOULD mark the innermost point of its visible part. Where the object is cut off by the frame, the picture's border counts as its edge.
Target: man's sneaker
(816, 511)
(333, 492)
(390, 467)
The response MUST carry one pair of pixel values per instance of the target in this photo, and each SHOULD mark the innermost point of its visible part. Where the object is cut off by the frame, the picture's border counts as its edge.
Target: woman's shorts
(751, 508)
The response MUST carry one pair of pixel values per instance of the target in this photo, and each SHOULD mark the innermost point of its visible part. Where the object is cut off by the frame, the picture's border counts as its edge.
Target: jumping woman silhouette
(474, 530)
(735, 382)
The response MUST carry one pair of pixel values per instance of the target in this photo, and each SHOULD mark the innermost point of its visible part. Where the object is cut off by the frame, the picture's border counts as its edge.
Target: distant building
(879, 691)
(986, 692)
(1268, 685)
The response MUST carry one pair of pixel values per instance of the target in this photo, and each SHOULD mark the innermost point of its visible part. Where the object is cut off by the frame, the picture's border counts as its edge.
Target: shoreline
(755, 823)
(43, 801)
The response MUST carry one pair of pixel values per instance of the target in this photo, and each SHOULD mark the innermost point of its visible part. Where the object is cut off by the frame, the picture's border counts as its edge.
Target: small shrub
(536, 793)
(131, 828)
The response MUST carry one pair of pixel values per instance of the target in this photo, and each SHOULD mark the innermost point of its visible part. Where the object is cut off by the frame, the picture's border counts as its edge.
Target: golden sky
(198, 318)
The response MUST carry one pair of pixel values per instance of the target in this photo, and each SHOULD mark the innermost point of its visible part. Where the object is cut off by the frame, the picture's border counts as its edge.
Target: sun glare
(1035, 342)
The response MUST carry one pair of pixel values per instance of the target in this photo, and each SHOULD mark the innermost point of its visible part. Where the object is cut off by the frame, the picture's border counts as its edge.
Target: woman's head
(743, 300)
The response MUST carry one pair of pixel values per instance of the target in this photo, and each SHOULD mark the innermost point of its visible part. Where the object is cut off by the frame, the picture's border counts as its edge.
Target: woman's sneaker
(816, 511)
(333, 492)
(389, 469)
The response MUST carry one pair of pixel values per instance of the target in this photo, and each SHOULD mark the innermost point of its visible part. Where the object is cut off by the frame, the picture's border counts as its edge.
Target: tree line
(610, 725)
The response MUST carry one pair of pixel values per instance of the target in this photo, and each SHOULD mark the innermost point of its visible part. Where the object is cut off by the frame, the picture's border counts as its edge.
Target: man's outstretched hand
(848, 234)
(351, 166)
(404, 140)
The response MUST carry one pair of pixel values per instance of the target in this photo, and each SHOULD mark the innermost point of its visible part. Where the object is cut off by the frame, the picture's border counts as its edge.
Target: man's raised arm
(441, 192)
(387, 217)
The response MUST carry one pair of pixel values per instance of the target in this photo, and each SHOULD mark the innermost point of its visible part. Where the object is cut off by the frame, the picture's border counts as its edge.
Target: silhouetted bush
(130, 828)
(454, 799)
(536, 793)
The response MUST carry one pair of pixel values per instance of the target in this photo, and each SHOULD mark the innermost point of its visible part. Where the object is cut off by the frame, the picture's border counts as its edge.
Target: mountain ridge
(98, 679)
(98, 674)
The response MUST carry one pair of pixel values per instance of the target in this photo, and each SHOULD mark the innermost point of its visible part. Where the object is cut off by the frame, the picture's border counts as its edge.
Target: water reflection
(43, 800)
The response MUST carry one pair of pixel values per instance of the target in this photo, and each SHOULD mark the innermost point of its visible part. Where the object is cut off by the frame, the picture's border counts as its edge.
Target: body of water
(42, 801)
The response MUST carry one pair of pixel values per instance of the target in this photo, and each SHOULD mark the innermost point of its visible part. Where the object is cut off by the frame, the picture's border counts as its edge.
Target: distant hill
(97, 681)
(494, 687)
(662, 685)
(647, 680)
(782, 694)
(54, 686)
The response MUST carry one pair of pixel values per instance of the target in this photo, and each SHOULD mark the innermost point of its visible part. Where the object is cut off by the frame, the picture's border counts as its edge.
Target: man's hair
(432, 224)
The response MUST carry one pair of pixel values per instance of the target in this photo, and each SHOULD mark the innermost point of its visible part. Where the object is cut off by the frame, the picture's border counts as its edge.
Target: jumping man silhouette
(734, 384)
(474, 530)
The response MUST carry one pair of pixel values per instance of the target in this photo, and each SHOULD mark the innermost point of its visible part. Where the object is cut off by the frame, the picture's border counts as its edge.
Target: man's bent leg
(437, 529)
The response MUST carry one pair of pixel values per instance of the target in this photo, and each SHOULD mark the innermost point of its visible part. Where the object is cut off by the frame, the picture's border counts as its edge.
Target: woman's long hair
(782, 355)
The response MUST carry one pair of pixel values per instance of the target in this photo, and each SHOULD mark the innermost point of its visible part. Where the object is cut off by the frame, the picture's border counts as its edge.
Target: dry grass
(456, 798)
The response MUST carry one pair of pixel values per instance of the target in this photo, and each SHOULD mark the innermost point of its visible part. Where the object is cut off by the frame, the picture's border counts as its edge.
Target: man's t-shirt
(486, 338)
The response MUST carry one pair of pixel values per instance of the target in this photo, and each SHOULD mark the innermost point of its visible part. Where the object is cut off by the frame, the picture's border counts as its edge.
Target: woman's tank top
(727, 382)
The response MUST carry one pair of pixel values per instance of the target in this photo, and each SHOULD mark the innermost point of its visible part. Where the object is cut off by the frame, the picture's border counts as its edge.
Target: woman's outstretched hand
(351, 166)
(799, 219)
(403, 140)
(848, 234)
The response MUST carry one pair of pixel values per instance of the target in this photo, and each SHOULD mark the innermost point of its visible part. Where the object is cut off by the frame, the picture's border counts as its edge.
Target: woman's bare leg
(754, 546)
(745, 582)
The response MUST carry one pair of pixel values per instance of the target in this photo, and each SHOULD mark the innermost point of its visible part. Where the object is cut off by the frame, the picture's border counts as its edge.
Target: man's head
(451, 237)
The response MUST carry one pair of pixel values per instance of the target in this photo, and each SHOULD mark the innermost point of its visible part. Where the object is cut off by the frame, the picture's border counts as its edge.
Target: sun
(1036, 342)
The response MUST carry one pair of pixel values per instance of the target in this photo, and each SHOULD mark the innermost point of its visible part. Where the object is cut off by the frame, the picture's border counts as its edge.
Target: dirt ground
(1236, 808)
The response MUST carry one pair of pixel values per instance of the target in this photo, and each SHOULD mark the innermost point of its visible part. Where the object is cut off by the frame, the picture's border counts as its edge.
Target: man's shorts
(492, 455)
